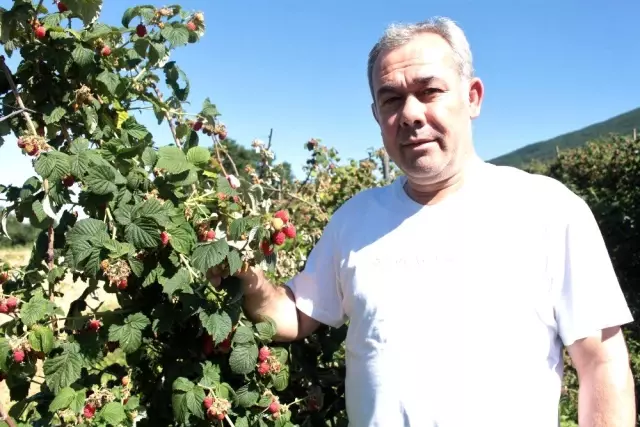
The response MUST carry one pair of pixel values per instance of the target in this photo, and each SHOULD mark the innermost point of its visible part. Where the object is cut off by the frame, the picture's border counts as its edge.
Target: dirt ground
(72, 290)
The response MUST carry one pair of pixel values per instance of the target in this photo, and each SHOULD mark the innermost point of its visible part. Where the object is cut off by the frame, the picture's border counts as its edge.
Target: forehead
(428, 55)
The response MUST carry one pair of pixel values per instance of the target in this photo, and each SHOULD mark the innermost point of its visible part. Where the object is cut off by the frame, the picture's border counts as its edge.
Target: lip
(419, 142)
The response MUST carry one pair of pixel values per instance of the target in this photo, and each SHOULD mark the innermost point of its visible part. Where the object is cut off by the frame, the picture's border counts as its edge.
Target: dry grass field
(17, 257)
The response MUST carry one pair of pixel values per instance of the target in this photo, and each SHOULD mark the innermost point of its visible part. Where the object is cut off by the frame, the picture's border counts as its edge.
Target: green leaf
(247, 395)
(224, 187)
(41, 339)
(243, 335)
(234, 260)
(90, 118)
(129, 335)
(183, 238)
(88, 10)
(143, 233)
(53, 165)
(178, 282)
(187, 399)
(172, 159)
(135, 129)
(209, 255)
(243, 358)
(149, 156)
(219, 324)
(82, 56)
(101, 180)
(198, 156)
(281, 378)
(110, 81)
(63, 370)
(266, 330)
(36, 309)
(176, 34)
(63, 399)
(210, 374)
(55, 115)
(113, 413)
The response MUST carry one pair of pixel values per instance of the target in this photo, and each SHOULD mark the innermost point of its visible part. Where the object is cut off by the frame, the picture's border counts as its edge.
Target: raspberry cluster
(96, 400)
(217, 407)
(205, 232)
(117, 273)
(32, 144)
(281, 230)
(267, 362)
(8, 305)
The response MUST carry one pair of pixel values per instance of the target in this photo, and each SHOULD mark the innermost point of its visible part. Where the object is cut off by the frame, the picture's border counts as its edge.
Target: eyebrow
(391, 88)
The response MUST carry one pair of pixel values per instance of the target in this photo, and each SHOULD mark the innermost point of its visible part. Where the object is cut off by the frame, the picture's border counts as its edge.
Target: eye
(390, 99)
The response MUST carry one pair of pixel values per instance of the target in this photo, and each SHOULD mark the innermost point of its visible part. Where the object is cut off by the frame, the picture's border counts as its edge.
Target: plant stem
(14, 89)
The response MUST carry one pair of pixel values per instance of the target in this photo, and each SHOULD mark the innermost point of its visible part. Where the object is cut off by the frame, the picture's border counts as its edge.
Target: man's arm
(277, 303)
(606, 397)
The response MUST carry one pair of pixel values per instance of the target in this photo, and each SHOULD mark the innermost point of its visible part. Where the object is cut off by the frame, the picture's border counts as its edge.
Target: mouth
(417, 143)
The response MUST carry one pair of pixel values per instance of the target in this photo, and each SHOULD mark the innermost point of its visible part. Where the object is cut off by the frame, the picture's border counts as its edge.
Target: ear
(476, 96)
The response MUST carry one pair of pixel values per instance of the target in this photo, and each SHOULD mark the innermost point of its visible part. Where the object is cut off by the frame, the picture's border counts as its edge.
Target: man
(463, 280)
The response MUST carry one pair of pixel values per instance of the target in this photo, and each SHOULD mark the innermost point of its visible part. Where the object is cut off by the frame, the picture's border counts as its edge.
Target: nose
(413, 113)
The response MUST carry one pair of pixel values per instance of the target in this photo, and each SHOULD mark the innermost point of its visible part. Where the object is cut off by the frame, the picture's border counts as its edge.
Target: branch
(166, 116)
(4, 416)
(14, 89)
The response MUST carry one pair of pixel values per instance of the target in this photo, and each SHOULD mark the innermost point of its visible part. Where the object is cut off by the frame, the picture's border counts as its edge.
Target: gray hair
(397, 35)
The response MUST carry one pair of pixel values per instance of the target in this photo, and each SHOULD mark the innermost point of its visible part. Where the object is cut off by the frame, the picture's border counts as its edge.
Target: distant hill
(622, 124)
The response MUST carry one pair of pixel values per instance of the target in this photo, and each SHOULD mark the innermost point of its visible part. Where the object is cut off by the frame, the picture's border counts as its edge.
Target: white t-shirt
(458, 311)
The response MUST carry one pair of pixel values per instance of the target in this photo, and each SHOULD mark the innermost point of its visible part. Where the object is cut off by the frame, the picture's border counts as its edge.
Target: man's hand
(262, 298)
(607, 397)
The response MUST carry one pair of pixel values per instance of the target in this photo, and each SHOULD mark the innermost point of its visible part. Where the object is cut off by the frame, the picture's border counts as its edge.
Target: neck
(435, 192)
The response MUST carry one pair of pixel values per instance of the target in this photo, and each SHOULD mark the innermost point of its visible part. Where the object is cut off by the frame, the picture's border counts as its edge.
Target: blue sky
(300, 68)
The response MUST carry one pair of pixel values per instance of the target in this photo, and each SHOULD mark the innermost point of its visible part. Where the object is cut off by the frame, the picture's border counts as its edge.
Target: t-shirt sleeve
(589, 297)
(317, 288)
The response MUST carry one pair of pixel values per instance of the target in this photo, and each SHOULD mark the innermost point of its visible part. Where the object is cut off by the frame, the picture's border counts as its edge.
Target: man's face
(424, 109)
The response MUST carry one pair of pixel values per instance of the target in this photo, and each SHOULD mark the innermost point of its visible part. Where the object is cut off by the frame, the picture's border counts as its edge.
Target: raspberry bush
(124, 215)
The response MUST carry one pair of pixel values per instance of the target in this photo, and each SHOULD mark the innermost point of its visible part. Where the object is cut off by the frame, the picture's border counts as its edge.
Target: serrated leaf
(36, 309)
(113, 413)
(149, 156)
(224, 187)
(109, 80)
(247, 395)
(234, 260)
(210, 374)
(209, 255)
(90, 118)
(178, 282)
(143, 233)
(82, 56)
(101, 180)
(266, 331)
(63, 370)
(41, 339)
(219, 325)
(243, 358)
(281, 378)
(88, 10)
(243, 335)
(129, 335)
(63, 399)
(135, 129)
(176, 34)
(55, 115)
(183, 238)
(172, 159)
(53, 165)
(198, 156)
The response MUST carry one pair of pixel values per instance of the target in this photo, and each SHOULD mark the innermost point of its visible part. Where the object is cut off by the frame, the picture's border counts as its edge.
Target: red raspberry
(274, 407)
(20, 143)
(89, 410)
(106, 51)
(191, 26)
(208, 401)
(263, 354)
(33, 150)
(266, 247)
(68, 181)
(164, 238)
(18, 355)
(278, 238)
(122, 284)
(208, 346)
(141, 30)
(3, 307)
(263, 368)
(94, 324)
(197, 125)
(125, 381)
(41, 32)
(211, 234)
(290, 231)
(283, 215)
(12, 303)
(62, 7)
(4, 276)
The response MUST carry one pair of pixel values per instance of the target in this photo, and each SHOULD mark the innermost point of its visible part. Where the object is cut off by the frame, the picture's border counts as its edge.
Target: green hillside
(545, 150)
